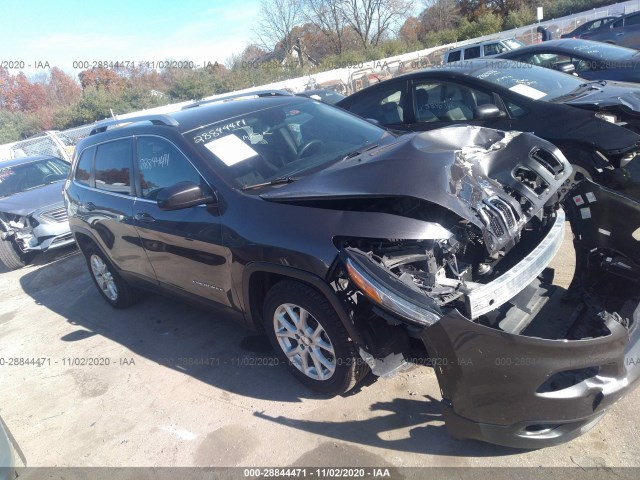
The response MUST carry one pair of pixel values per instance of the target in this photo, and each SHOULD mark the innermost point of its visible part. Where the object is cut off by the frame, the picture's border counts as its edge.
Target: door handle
(144, 217)
(89, 206)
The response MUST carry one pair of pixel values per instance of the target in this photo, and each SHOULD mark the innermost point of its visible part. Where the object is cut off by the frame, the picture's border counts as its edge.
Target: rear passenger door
(105, 204)
(184, 246)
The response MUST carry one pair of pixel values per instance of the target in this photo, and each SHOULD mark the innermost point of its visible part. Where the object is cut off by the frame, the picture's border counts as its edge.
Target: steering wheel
(319, 144)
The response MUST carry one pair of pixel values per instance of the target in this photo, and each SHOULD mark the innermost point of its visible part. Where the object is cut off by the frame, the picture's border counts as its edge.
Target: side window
(514, 109)
(447, 102)
(618, 23)
(160, 165)
(633, 20)
(472, 52)
(494, 49)
(113, 166)
(454, 56)
(383, 105)
(85, 165)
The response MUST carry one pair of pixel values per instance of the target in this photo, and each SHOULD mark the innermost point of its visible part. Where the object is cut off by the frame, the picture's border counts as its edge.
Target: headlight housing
(381, 295)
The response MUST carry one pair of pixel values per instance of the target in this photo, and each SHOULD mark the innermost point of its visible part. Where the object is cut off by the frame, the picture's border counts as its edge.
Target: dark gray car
(588, 59)
(32, 214)
(625, 31)
(354, 249)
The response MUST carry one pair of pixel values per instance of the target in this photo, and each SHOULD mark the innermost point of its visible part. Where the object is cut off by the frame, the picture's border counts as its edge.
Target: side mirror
(487, 111)
(183, 195)
(568, 68)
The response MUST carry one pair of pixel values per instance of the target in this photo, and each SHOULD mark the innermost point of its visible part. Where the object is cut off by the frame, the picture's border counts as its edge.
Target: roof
(205, 113)
(561, 44)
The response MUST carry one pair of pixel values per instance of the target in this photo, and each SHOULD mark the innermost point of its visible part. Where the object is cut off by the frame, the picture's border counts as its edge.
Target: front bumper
(499, 387)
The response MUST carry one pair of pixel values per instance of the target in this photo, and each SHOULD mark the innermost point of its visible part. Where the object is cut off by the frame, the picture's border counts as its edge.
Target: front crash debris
(519, 361)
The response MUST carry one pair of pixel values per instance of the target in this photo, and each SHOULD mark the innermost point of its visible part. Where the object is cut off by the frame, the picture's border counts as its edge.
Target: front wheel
(307, 334)
(10, 256)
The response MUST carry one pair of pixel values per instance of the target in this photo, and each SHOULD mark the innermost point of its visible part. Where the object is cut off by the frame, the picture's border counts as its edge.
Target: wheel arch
(259, 277)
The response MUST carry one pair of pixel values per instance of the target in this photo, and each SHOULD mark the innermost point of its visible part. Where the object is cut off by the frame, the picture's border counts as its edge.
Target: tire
(321, 355)
(113, 288)
(10, 256)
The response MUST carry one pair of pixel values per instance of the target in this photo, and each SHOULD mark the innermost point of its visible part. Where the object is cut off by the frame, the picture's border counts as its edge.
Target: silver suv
(32, 213)
(482, 49)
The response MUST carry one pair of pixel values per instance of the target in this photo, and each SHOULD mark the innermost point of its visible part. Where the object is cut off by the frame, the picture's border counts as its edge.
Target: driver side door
(439, 103)
(184, 246)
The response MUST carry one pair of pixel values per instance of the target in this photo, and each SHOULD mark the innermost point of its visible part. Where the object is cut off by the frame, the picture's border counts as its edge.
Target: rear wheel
(307, 334)
(9, 255)
(113, 288)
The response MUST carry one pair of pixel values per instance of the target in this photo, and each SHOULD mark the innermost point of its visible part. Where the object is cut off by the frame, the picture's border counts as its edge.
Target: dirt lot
(158, 403)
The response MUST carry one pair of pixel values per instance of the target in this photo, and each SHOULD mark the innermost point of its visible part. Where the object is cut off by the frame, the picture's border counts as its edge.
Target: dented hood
(456, 167)
(607, 94)
(26, 202)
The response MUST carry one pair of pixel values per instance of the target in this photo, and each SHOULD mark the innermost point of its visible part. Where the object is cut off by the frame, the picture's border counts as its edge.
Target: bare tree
(329, 16)
(373, 19)
(276, 21)
(440, 14)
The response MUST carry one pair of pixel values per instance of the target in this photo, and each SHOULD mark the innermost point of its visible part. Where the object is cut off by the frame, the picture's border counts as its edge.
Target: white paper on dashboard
(527, 91)
(230, 149)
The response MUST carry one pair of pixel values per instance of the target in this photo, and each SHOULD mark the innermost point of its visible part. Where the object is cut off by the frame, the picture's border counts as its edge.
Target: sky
(62, 32)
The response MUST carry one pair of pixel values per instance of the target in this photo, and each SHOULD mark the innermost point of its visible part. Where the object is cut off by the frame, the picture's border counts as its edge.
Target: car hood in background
(24, 203)
(611, 94)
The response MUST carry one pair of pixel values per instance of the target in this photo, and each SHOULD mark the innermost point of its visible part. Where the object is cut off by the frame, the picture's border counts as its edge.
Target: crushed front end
(37, 231)
(520, 362)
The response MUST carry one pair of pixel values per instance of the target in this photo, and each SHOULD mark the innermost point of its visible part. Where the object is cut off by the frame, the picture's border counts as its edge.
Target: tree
(328, 15)
(101, 78)
(372, 20)
(411, 30)
(61, 89)
(275, 23)
(440, 15)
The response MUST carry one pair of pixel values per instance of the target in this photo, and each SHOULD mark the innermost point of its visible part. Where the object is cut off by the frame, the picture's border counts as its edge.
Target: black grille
(548, 160)
(58, 214)
(495, 226)
(506, 210)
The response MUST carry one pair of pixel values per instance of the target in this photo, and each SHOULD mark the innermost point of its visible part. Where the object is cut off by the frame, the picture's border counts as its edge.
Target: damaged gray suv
(33, 218)
(357, 250)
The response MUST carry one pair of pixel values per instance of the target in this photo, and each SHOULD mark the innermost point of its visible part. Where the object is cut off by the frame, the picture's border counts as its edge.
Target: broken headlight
(386, 298)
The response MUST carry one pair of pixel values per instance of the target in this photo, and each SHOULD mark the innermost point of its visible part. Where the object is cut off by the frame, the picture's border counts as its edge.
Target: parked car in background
(589, 26)
(322, 94)
(624, 31)
(587, 59)
(32, 214)
(595, 124)
(482, 49)
(354, 249)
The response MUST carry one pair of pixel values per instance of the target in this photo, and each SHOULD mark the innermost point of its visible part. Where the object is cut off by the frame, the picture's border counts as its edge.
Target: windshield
(604, 51)
(27, 176)
(534, 82)
(283, 141)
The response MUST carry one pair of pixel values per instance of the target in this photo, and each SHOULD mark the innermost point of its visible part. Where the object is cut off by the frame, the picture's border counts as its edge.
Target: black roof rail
(257, 93)
(154, 119)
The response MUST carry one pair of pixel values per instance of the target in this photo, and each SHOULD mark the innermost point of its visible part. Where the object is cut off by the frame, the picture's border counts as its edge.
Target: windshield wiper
(275, 181)
(355, 153)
